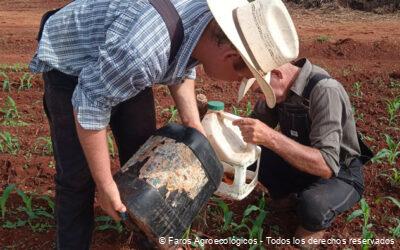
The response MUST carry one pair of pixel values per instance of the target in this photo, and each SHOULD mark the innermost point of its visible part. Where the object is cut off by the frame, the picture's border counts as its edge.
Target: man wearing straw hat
(315, 162)
(99, 59)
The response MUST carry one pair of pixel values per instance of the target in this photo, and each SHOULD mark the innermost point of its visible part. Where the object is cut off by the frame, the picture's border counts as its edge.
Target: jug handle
(232, 118)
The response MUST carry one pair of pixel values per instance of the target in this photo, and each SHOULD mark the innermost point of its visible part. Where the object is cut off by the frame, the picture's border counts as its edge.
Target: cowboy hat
(263, 33)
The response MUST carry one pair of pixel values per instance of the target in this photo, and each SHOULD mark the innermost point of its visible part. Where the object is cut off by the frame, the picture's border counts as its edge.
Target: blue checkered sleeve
(116, 48)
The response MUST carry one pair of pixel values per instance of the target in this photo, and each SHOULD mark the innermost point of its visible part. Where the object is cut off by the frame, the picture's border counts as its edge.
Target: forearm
(185, 100)
(304, 158)
(94, 146)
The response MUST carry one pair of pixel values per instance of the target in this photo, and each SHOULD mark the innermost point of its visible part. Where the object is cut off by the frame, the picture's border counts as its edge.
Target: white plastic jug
(234, 153)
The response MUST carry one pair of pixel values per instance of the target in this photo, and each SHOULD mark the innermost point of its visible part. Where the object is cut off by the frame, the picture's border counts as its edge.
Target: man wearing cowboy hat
(315, 160)
(99, 59)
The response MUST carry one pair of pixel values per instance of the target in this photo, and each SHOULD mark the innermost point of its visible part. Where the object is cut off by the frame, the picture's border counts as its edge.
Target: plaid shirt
(117, 48)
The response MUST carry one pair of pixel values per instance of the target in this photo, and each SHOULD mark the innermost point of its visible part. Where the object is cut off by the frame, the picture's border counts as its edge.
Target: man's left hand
(253, 130)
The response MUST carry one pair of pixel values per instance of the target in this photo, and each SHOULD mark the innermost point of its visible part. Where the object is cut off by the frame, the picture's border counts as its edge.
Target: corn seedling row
(10, 113)
(364, 213)
(252, 227)
(6, 81)
(240, 112)
(35, 215)
(394, 177)
(25, 81)
(108, 223)
(322, 38)
(392, 107)
(357, 89)
(390, 154)
(3, 199)
(8, 143)
(16, 67)
(394, 231)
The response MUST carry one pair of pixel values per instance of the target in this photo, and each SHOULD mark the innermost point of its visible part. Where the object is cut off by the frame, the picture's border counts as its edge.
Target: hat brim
(222, 11)
(263, 83)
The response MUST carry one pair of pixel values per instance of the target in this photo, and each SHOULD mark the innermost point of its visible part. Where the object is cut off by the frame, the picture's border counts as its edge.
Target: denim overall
(318, 200)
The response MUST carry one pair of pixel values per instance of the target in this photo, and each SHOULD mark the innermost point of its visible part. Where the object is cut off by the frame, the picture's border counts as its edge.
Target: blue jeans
(132, 122)
(319, 200)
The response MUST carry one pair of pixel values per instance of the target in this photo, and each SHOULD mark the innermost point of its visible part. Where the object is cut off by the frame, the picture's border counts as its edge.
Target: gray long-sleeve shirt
(333, 129)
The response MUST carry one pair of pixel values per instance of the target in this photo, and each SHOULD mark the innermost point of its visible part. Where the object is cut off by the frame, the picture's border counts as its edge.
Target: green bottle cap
(215, 105)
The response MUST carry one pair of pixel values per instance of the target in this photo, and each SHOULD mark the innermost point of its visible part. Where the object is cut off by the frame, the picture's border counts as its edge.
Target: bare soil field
(361, 50)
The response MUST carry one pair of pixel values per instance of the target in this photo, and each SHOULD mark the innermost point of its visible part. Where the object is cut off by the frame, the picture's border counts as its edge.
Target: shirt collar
(192, 36)
(306, 67)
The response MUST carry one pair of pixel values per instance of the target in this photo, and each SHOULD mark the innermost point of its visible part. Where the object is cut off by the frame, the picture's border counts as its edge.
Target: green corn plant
(240, 112)
(189, 234)
(18, 67)
(25, 81)
(394, 177)
(44, 145)
(10, 109)
(108, 223)
(390, 154)
(252, 227)
(173, 113)
(110, 143)
(249, 109)
(366, 137)
(50, 202)
(392, 107)
(8, 143)
(256, 230)
(6, 81)
(13, 225)
(196, 243)
(357, 116)
(357, 89)
(395, 231)
(365, 213)
(11, 114)
(28, 204)
(228, 215)
(3, 199)
(322, 38)
(394, 200)
(34, 213)
(237, 111)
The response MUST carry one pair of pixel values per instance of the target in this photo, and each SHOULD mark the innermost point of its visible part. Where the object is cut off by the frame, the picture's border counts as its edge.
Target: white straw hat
(264, 34)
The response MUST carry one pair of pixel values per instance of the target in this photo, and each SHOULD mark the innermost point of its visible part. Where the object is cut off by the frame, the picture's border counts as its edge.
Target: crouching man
(315, 161)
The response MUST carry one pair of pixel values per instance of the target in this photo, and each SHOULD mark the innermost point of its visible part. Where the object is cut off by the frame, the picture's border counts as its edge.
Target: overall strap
(173, 22)
(312, 82)
(45, 16)
(366, 153)
(168, 13)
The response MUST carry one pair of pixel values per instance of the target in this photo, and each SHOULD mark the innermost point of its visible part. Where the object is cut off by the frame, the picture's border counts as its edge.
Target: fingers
(110, 201)
(115, 209)
(244, 121)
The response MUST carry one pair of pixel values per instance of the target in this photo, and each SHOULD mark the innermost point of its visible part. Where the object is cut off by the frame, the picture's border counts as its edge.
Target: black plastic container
(167, 182)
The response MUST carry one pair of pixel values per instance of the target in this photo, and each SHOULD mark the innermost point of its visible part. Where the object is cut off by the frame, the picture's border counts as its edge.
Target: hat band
(266, 37)
(245, 43)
